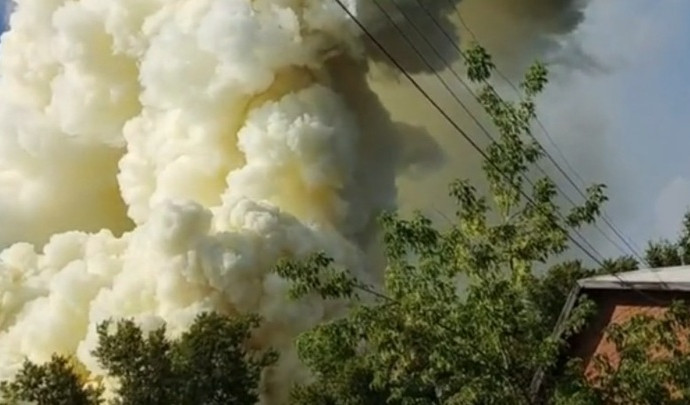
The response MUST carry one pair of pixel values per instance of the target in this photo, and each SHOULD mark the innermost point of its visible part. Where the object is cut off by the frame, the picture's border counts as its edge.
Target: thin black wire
(629, 242)
(485, 131)
(467, 137)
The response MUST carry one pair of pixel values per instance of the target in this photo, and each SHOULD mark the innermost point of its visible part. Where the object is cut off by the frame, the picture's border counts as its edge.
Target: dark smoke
(514, 31)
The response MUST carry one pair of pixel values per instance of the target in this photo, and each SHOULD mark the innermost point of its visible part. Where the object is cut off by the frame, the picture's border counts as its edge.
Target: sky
(633, 113)
(625, 123)
(4, 8)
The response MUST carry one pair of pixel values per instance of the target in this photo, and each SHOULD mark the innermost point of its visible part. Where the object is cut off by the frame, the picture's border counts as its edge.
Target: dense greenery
(465, 314)
(208, 365)
(426, 339)
(653, 366)
(671, 253)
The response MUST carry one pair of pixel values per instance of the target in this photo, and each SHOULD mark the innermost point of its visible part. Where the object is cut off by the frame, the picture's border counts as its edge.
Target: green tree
(665, 253)
(652, 365)
(464, 315)
(54, 383)
(209, 364)
(426, 339)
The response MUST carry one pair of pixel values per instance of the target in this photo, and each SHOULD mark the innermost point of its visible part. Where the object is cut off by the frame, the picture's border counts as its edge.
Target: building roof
(659, 279)
(666, 278)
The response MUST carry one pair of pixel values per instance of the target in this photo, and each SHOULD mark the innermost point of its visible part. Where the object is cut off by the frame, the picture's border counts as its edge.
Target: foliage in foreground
(465, 315)
(208, 365)
(652, 365)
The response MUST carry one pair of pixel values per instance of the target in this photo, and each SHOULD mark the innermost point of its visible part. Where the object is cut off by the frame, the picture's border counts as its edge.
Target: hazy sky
(634, 115)
(4, 5)
(631, 116)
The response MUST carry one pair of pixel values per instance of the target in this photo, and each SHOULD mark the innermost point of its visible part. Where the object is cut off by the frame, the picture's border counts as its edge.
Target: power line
(548, 155)
(449, 119)
(485, 131)
(630, 244)
(464, 134)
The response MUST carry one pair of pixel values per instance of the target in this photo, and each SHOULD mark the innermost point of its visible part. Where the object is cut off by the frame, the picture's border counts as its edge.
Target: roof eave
(593, 284)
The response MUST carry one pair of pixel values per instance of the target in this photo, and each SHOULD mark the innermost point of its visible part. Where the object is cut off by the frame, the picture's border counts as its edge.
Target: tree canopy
(209, 364)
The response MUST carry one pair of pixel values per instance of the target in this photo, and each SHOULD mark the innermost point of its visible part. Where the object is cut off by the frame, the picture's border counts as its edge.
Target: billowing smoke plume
(158, 157)
(515, 32)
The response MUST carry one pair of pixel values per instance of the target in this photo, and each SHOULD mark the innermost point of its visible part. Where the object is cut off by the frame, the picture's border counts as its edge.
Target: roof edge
(622, 284)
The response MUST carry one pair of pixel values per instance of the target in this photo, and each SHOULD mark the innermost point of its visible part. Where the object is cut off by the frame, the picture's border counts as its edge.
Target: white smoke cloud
(170, 153)
(157, 158)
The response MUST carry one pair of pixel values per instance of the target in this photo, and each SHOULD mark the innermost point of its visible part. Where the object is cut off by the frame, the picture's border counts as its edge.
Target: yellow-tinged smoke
(158, 157)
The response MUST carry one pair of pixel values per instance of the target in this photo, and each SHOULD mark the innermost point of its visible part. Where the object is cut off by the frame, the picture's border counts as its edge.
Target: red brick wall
(617, 306)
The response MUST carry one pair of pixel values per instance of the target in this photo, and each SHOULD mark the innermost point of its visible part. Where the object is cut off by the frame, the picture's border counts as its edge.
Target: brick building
(617, 299)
